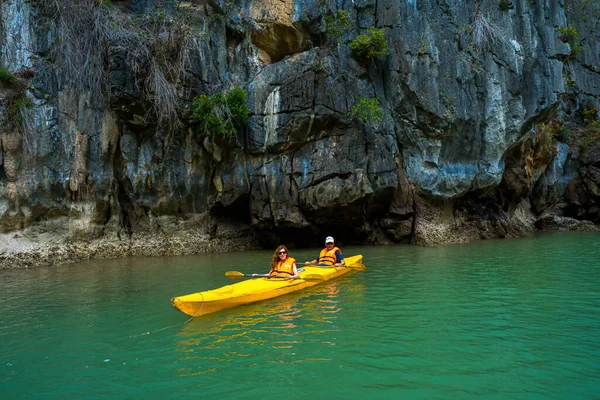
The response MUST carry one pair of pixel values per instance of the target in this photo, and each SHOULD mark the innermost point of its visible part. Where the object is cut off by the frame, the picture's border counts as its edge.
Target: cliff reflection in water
(275, 330)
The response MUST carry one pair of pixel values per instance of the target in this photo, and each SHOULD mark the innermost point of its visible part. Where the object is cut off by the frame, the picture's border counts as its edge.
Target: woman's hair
(276, 255)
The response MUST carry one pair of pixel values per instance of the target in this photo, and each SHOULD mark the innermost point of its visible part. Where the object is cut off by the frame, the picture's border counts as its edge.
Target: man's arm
(339, 259)
(313, 262)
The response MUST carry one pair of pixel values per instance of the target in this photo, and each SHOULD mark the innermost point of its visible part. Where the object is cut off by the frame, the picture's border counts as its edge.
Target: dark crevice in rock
(126, 213)
(591, 68)
(122, 187)
(237, 211)
(328, 177)
(108, 213)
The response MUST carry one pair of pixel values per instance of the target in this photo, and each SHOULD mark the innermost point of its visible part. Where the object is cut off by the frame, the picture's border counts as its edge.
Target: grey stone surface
(455, 156)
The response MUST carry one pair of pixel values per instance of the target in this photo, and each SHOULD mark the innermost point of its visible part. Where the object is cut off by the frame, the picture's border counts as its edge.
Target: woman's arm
(294, 270)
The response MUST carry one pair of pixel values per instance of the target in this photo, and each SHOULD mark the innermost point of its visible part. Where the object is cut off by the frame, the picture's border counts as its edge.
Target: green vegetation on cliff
(15, 96)
(370, 46)
(223, 113)
(335, 26)
(6, 76)
(569, 34)
(576, 136)
(367, 110)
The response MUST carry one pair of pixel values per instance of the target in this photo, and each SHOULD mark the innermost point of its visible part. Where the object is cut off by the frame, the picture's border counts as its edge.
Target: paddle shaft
(307, 277)
(352, 266)
(236, 274)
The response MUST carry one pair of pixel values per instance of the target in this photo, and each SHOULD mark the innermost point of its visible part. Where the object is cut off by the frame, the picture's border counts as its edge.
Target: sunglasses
(282, 252)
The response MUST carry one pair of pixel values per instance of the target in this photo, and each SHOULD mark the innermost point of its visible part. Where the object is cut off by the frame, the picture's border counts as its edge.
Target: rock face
(476, 100)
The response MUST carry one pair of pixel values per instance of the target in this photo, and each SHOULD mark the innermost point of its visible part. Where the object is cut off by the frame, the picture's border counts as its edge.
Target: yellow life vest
(285, 267)
(327, 257)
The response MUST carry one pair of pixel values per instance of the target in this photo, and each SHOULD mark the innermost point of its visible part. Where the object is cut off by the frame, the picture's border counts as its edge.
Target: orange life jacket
(327, 257)
(285, 267)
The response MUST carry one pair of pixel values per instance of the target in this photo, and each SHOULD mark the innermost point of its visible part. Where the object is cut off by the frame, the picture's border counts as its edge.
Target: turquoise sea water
(510, 319)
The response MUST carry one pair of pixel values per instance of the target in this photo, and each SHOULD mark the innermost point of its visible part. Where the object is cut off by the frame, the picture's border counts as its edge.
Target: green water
(511, 319)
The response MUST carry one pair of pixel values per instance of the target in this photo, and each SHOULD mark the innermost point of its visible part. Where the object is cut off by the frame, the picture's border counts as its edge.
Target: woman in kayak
(283, 264)
(330, 255)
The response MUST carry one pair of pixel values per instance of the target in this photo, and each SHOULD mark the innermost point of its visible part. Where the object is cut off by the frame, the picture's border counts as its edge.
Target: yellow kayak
(257, 289)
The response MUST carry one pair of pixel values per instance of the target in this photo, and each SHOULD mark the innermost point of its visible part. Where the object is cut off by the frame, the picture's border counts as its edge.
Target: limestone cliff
(489, 125)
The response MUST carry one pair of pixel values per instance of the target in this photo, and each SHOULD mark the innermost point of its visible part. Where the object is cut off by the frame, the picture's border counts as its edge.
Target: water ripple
(517, 319)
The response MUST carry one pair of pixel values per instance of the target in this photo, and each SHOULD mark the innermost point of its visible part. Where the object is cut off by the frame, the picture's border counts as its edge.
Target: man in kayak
(283, 264)
(330, 255)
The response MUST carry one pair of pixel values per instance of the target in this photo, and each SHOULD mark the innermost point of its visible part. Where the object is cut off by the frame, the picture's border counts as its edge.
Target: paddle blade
(313, 277)
(234, 274)
(357, 266)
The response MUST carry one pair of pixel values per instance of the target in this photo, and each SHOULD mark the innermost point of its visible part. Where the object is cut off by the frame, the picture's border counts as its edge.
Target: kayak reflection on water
(288, 322)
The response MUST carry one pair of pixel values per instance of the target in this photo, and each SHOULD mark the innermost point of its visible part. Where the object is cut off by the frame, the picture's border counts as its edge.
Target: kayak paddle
(351, 266)
(237, 274)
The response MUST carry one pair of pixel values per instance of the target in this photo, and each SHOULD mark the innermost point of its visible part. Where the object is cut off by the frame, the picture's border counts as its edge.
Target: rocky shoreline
(25, 254)
(35, 247)
(18, 251)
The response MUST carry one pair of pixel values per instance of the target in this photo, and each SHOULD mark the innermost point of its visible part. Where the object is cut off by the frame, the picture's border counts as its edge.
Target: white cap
(329, 239)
